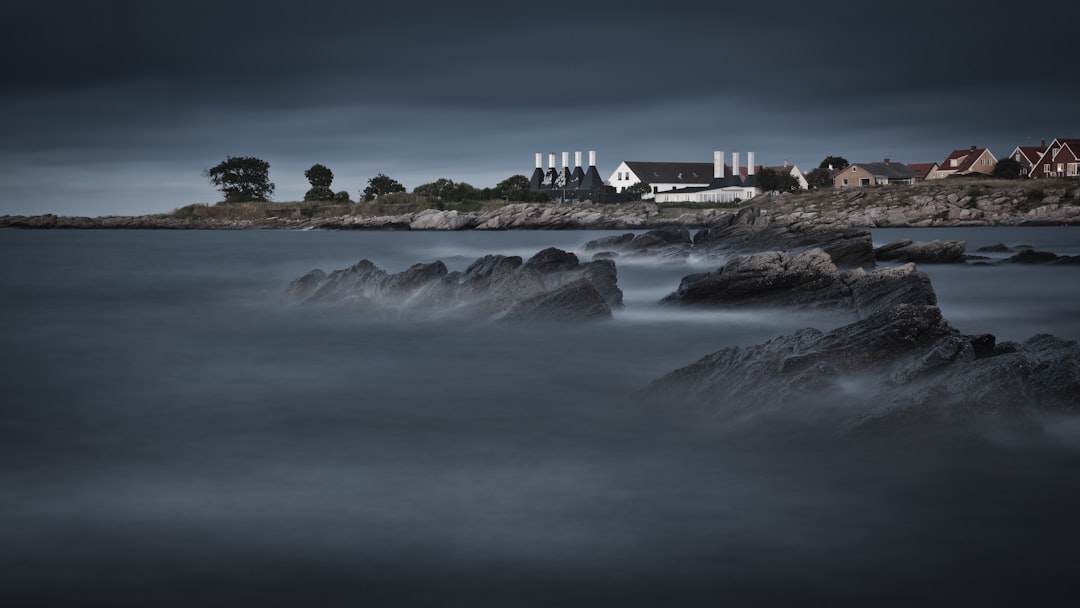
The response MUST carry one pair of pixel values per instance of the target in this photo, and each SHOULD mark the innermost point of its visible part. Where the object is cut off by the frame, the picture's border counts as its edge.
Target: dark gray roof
(889, 170)
(672, 173)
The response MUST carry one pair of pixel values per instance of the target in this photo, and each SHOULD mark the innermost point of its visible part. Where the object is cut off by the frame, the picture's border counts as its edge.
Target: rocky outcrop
(809, 280)
(901, 362)
(672, 242)
(552, 285)
(751, 229)
(934, 252)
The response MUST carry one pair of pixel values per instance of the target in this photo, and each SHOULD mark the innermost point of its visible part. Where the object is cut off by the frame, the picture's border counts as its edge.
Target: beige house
(965, 162)
(873, 174)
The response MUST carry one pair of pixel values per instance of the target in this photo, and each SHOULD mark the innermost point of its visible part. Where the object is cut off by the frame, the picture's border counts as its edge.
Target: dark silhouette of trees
(771, 180)
(380, 185)
(820, 178)
(1008, 168)
(241, 179)
(638, 190)
(320, 178)
(836, 162)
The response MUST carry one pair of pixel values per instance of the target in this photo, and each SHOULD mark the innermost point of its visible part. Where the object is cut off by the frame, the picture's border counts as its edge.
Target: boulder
(934, 252)
(669, 242)
(809, 280)
(552, 285)
(1030, 256)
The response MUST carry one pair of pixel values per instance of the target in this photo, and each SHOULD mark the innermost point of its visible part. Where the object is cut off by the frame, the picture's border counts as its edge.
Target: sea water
(171, 433)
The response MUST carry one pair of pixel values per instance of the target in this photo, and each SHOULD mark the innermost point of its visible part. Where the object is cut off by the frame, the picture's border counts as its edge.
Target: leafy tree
(319, 176)
(1008, 168)
(242, 178)
(837, 162)
(771, 180)
(319, 193)
(342, 197)
(638, 190)
(380, 185)
(820, 178)
(514, 182)
(440, 189)
(517, 188)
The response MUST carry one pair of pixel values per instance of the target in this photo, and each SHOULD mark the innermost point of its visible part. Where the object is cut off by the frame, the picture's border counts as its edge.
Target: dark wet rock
(998, 248)
(752, 230)
(895, 366)
(1030, 256)
(553, 284)
(809, 280)
(669, 242)
(933, 252)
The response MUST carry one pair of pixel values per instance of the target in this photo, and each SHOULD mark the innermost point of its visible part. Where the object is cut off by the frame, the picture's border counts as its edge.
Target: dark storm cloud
(477, 87)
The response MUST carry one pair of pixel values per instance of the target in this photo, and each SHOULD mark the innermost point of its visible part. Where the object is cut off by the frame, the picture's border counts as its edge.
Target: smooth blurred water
(171, 434)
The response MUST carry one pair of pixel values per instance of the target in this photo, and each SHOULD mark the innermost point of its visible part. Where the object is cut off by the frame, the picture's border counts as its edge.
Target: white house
(727, 185)
(660, 176)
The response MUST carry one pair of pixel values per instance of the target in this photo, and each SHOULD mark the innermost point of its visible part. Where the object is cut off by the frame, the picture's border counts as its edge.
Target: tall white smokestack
(539, 160)
(551, 160)
(565, 159)
(718, 164)
(592, 158)
(577, 159)
(749, 163)
(735, 164)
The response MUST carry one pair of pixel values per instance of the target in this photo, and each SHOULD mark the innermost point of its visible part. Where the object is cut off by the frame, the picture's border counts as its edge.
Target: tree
(771, 180)
(342, 197)
(638, 190)
(836, 162)
(380, 185)
(242, 178)
(319, 176)
(440, 189)
(1008, 168)
(517, 188)
(819, 178)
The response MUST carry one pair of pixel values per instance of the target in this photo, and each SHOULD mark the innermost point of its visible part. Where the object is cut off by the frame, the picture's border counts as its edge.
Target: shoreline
(961, 204)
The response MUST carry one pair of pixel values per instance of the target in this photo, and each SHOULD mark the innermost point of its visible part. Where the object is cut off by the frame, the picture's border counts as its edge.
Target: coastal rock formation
(809, 280)
(552, 285)
(934, 252)
(672, 242)
(751, 229)
(901, 362)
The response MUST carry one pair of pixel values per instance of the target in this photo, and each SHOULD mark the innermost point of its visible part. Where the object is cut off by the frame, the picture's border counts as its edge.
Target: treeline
(247, 179)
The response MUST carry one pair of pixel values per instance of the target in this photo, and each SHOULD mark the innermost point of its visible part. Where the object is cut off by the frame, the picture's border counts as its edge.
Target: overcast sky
(117, 107)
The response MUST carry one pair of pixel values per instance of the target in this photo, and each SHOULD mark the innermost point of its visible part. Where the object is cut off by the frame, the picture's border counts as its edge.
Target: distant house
(873, 174)
(661, 175)
(922, 170)
(726, 184)
(965, 162)
(1027, 156)
(1060, 159)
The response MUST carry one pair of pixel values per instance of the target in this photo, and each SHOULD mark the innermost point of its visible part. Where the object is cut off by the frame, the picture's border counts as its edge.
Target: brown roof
(922, 169)
(966, 159)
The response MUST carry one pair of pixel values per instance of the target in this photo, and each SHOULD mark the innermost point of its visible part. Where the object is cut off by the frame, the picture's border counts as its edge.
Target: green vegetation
(381, 185)
(242, 179)
(638, 190)
(836, 162)
(1008, 168)
(320, 178)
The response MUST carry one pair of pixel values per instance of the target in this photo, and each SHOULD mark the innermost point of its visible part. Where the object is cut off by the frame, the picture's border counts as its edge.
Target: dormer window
(954, 162)
(853, 169)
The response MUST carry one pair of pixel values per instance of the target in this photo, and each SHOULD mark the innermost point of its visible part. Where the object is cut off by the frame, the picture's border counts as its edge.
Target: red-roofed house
(922, 170)
(1061, 159)
(1027, 156)
(966, 162)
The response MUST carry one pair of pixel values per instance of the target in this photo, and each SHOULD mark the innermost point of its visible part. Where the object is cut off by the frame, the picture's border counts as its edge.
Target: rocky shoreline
(951, 205)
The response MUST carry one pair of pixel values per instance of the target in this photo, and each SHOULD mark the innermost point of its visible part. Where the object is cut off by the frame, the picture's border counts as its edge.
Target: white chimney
(551, 160)
(735, 164)
(718, 164)
(539, 160)
(577, 159)
(592, 158)
(565, 159)
(749, 163)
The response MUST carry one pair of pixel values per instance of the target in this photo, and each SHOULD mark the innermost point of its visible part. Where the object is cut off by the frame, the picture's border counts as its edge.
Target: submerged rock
(552, 285)
(671, 242)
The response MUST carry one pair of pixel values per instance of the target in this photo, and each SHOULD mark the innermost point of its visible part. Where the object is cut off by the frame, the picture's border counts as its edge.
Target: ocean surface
(172, 434)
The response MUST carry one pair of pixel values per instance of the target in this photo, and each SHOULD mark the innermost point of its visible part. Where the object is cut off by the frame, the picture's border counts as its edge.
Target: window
(844, 182)
(853, 169)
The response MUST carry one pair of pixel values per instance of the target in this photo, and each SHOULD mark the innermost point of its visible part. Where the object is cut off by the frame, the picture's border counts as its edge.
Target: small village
(724, 182)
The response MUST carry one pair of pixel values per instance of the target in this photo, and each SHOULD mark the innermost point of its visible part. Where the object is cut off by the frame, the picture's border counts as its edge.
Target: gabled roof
(672, 173)
(1031, 153)
(888, 170)
(922, 169)
(965, 159)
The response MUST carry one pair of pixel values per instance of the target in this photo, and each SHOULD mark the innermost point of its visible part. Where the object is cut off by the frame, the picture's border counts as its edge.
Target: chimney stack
(565, 159)
(551, 161)
(735, 164)
(539, 160)
(749, 163)
(718, 164)
(592, 158)
(577, 159)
